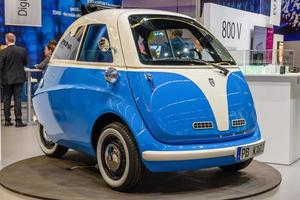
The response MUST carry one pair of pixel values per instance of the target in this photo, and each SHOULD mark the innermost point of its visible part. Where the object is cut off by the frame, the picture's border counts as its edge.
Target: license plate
(246, 152)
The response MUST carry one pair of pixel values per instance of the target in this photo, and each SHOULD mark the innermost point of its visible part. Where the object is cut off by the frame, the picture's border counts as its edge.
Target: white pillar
(197, 12)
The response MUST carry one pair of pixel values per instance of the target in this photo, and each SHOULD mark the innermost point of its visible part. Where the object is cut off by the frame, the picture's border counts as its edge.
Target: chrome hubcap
(112, 157)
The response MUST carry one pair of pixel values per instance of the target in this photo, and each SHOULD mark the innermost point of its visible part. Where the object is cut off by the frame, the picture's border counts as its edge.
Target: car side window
(91, 50)
(69, 45)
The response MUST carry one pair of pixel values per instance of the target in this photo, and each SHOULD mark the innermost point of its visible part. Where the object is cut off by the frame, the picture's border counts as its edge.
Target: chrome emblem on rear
(211, 82)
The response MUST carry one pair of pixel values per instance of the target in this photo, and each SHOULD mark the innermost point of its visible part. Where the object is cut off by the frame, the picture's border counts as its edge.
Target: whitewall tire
(49, 148)
(118, 158)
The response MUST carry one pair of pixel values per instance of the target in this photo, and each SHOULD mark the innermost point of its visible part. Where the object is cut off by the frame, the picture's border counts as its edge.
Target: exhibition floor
(19, 144)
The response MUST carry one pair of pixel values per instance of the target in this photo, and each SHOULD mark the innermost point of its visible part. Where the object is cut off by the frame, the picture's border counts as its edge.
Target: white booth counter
(277, 101)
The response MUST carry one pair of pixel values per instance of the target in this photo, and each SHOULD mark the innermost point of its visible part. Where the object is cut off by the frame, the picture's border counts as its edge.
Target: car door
(51, 94)
(76, 86)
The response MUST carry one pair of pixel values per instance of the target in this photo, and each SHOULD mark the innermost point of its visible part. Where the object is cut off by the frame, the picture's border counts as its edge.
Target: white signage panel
(23, 12)
(275, 12)
(231, 26)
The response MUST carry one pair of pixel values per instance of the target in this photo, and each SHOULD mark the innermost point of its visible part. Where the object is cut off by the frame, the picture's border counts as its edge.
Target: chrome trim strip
(193, 154)
(81, 41)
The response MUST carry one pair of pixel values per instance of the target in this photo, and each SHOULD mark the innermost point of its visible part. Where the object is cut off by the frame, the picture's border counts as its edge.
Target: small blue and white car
(146, 90)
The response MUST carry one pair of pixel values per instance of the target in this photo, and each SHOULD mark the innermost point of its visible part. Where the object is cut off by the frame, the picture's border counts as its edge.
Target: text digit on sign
(275, 7)
(231, 30)
(22, 8)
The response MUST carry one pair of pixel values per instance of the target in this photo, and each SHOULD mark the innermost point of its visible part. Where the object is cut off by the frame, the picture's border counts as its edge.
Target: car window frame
(81, 46)
(195, 24)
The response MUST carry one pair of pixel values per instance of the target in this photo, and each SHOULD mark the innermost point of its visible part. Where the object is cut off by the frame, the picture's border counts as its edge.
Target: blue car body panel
(171, 104)
(69, 100)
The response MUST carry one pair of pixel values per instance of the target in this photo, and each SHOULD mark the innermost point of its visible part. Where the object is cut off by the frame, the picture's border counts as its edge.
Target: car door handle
(150, 81)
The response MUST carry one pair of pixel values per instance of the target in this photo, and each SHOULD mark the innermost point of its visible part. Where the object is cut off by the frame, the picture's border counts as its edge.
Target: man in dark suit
(12, 62)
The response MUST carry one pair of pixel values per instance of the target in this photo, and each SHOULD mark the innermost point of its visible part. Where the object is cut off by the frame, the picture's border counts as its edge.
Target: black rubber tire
(54, 150)
(134, 168)
(237, 166)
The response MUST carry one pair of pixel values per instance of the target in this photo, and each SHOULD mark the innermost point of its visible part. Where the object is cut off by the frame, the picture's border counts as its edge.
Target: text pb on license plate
(246, 152)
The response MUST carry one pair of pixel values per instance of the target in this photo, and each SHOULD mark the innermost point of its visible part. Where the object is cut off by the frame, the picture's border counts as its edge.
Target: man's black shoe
(20, 124)
(8, 123)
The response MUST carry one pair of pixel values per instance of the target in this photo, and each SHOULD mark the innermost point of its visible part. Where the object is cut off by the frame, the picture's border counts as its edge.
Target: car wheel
(237, 166)
(118, 158)
(49, 148)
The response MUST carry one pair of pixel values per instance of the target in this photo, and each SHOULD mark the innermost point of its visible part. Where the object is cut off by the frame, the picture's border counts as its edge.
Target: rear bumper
(193, 154)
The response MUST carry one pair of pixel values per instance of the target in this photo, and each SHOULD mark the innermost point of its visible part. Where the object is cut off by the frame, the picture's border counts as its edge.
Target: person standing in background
(47, 53)
(13, 59)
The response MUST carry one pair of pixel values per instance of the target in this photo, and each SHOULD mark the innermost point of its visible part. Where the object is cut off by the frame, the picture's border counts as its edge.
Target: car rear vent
(203, 125)
(238, 122)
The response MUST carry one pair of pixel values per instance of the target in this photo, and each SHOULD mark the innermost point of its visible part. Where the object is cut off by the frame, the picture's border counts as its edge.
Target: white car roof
(113, 14)
(120, 34)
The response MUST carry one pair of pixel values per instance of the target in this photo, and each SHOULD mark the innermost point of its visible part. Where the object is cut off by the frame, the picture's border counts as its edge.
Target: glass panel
(68, 47)
(90, 51)
(265, 61)
(175, 40)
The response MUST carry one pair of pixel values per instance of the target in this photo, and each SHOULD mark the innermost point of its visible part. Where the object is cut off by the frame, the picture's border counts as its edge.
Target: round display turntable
(76, 177)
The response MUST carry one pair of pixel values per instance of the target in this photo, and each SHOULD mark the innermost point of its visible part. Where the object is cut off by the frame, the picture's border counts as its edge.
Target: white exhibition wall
(231, 26)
